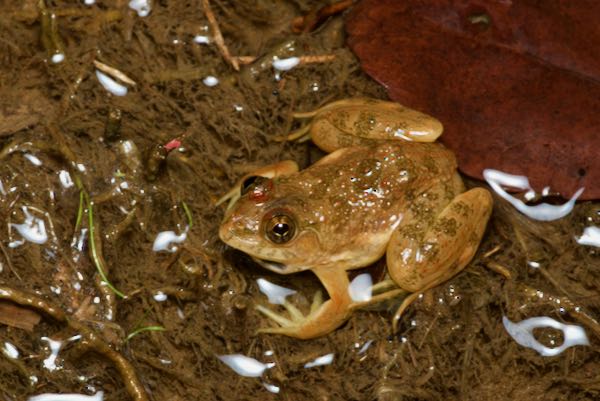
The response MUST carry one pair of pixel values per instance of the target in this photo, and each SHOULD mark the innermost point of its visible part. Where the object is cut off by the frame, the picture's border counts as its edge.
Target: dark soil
(451, 343)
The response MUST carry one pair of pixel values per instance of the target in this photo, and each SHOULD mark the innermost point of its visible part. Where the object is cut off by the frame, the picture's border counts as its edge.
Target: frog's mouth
(276, 267)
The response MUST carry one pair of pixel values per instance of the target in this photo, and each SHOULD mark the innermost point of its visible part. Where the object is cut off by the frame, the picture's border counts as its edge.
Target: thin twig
(9, 263)
(219, 41)
(498, 268)
(492, 251)
(17, 316)
(112, 71)
(316, 59)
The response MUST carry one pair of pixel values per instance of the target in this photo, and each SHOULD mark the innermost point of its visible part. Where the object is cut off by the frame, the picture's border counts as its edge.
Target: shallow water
(94, 186)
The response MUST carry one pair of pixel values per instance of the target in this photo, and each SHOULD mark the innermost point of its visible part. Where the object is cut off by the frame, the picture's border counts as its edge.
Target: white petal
(360, 288)
(99, 396)
(543, 211)
(243, 365)
(522, 333)
(164, 241)
(285, 64)
(320, 361)
(274, 292)
(590, 236)
(110, 84)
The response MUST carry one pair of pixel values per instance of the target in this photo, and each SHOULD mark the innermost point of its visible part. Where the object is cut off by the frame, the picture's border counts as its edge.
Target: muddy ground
(56, 120)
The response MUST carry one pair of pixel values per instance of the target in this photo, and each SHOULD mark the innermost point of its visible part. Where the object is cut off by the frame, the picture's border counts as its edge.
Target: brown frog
(385, 188)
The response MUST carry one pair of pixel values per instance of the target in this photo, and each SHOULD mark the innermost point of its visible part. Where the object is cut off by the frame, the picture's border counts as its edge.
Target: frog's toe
(322, 318)
(302, 134)
(296, 317)
(405, 304)
(291, 326)
(281, 320)
(317, 302)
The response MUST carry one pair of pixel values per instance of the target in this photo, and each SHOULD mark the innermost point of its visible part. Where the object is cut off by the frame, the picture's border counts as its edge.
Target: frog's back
(379, 175)
(356, 197)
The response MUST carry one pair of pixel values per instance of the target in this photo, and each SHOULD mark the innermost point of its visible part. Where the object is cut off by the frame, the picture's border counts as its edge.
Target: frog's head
(270, 228)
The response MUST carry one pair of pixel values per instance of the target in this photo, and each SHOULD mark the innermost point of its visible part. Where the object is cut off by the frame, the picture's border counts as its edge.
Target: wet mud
(92, 172)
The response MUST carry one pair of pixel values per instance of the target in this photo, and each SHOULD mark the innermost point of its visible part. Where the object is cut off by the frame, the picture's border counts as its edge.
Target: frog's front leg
(270, 171)
(323, 317)
(427, 252)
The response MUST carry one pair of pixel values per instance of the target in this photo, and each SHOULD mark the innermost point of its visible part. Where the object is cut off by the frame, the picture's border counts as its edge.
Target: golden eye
(280, 228)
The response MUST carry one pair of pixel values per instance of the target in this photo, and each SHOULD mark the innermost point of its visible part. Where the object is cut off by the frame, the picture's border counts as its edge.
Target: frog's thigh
(330, 138)
(421, 256)
(281, 168)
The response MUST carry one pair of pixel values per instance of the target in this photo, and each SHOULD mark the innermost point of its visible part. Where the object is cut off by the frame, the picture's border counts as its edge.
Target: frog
(385, 188)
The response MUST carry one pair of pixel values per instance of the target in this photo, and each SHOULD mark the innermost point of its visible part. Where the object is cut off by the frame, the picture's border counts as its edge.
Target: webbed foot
(323, 317)
(295, 320)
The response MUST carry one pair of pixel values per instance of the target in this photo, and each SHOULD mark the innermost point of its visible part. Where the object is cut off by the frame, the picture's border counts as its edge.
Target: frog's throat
(277, 267)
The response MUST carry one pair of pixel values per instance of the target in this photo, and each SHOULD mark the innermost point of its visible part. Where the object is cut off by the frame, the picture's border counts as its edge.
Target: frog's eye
(280, 228)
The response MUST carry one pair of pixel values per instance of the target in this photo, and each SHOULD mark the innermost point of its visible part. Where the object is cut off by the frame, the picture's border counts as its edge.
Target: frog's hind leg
(322, 130)
(324, 317)
(382, 291)
(424, 254)
(302, 134)
(354, 101)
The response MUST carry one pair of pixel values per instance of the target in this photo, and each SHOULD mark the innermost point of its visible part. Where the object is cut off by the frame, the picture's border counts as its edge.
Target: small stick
(324, 58)
(8, 262)
(220, 42)
(498, 268)
(492, 251)
(316, 59)
(51, 39)
(114, 72)
(16, 316)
